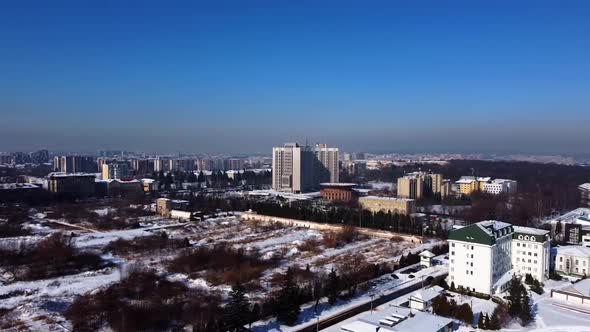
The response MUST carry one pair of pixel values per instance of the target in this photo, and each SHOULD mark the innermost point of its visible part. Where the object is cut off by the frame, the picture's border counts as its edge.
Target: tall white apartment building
(326, 169)
(531, 252)
(484, 256)
(300, 169)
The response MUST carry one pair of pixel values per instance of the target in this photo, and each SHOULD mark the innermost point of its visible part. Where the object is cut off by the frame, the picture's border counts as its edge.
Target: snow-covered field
(37, 305)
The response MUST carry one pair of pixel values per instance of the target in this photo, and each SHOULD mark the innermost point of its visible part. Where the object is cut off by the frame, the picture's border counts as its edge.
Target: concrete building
(585, 194)
(73, 164)
(418, 184)
(388, 204)
(484, 256)
(118, 187)
(339, 192)
(326, 164)
(446, 189)
(393, 319)
(19, 191)
(355, 168)
(75, 184)
(469, 184)
(531, 252)
(500, 186)
(572, 227)
(422, 298)
(571, 260)
(291, 168)
(117, 170)
(410, 187)
(426, 258)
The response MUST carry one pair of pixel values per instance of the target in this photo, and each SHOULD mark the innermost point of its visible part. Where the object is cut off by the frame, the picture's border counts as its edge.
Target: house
(571, 260)
(422, 298)
(426, 258)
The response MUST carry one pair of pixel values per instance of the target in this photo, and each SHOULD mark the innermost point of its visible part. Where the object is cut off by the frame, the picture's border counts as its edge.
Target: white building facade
(500, 186)
(484, 256)
(571, 260)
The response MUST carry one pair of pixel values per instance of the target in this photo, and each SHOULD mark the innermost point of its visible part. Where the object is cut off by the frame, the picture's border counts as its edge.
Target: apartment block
(418, 184)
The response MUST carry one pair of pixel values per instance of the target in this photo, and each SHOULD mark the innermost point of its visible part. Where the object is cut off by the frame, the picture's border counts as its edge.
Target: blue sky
(243, 76)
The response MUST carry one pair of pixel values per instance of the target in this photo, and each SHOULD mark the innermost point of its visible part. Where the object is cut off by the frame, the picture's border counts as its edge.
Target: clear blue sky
(247, 75)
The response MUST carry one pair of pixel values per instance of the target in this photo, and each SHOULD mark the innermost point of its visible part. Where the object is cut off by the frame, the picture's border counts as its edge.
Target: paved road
(329, 321)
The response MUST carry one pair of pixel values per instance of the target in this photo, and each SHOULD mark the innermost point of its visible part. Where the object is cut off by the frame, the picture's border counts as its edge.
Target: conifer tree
(237, 310)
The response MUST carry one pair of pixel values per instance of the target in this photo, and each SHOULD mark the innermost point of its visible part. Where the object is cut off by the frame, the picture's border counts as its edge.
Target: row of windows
(524, 245)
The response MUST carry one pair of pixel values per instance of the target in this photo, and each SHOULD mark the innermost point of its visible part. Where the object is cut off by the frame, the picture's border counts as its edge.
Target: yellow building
(415, 185)
(469, 184)
(388, 204)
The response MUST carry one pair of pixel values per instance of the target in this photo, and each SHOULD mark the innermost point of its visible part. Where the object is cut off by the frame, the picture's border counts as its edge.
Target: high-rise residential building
(6, 158)
(76, 184)
(484, 256)
(326, 164)
(301, 169)
(162, 165)
(142, 166)
(233, 164)
(418, 184)
(117, 170)
(292, 168)
(74, 164)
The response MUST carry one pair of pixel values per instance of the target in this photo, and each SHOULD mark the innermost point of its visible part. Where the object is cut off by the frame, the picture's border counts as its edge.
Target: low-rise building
(19, 191)
(571, 260)
(339, 192)
(572, 227)
(500, 186)
(426, 258)
(422, 298)
(388, 204)
(394, 319)
(578, 293)
(118, 187)
(75, 184)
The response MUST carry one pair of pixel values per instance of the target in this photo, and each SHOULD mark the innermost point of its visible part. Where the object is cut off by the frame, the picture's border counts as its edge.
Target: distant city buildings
(115, 170)
(300, 169)
(74, 164)
(484, 256)
(418, 184)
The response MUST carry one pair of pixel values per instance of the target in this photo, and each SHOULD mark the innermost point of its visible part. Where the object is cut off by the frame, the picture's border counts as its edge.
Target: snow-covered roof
(426, 295)
(585, 186)
(389, 198)
(581, 288)
(63, 174)
(572, 217)
(427, 253)
(337, 184)
(530, 230)
(576, 251)
(506, 277)
(14, 186)
(494, 224)
(395, 319)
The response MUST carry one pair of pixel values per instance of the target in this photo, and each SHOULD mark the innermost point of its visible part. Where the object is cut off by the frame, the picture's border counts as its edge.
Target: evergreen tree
(254, 315)
(494, 322)
(237, 310)
(288, 301)
(333, 287)
(481, 321)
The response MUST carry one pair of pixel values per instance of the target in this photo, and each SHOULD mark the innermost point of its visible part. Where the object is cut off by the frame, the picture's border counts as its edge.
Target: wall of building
(385, 204)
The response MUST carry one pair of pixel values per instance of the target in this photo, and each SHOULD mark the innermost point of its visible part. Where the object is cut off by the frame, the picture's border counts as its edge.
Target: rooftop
(14, 186)
(389, 198)
(530, 230)
(577, 251)
(494, 224)
(585, 186)
(581, 288)
(427, 294)
(64, 175)
(338, 184)
(427, 253)
(392, 318)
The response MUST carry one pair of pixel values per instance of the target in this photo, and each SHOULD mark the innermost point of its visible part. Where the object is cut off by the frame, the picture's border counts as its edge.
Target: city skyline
(377, 77)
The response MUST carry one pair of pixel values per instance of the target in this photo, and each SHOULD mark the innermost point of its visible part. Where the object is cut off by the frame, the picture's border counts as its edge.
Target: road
(384, 298)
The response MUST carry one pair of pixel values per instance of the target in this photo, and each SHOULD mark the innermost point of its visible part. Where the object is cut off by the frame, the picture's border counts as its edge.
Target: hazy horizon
(236, 77)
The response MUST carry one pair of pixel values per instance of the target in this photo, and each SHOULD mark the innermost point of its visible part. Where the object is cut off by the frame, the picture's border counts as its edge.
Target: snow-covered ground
(381, 286)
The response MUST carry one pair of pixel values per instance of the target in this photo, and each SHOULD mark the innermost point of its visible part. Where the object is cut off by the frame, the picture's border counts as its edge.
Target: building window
(453, 245)
(452, 253)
